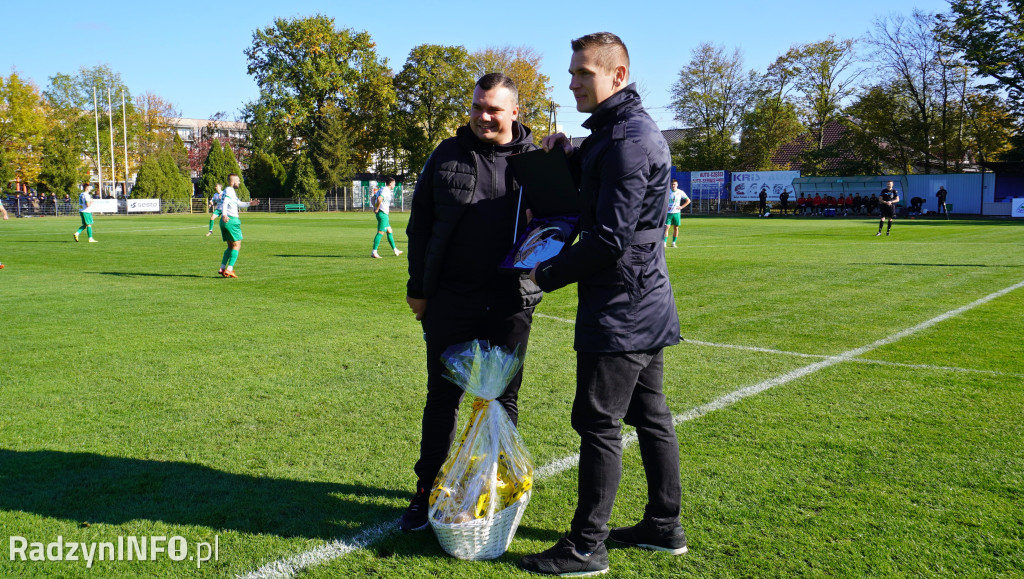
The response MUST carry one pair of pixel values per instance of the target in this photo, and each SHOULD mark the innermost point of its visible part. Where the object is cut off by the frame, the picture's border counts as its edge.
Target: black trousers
(626, 386)
(451, 320)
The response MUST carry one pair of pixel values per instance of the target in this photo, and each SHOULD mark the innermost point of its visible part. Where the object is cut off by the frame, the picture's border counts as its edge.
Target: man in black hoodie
(461, 225)
(625, 317)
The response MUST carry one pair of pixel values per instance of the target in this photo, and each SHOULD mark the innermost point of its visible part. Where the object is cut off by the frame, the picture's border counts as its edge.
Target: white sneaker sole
(680, 551)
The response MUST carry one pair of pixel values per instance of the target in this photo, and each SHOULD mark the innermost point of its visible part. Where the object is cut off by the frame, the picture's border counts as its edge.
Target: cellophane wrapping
(488, 467)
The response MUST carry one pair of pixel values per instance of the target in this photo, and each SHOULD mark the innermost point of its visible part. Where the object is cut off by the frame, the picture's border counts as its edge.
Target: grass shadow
(149, 274)
(938, 264)
(87, 487)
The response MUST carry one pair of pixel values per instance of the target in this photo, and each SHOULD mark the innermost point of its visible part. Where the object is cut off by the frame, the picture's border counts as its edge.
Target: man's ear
(621, 75)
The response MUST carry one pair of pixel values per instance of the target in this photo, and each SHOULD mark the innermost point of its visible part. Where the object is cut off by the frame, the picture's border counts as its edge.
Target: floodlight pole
(113, 169)
(99, 159)
(124, 133)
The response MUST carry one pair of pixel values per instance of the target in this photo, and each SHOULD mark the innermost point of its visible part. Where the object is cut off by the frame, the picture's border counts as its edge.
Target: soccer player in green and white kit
(217, 204)
(231, 226)
(85, 201)
(677, 201)
(382, 207)
(4, 211)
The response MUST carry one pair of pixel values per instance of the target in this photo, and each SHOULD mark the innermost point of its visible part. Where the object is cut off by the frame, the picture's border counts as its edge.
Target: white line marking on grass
(289, 566)
(941, 368)
(754, 349)
(554, 318)
(849, 355)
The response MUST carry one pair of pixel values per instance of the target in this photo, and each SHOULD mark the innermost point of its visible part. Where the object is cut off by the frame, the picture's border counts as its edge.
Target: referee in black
(887, 201)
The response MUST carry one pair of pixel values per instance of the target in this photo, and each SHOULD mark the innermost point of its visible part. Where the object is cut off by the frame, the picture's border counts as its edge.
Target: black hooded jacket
(626, 302)
(463, 219)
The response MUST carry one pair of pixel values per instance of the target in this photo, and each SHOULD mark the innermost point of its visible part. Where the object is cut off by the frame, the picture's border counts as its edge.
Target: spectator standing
(940, 196)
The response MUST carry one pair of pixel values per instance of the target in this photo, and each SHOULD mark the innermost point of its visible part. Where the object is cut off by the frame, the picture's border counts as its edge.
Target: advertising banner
(707, 185)
(103, 206)
(1017, 207)
(747, 186)
(143, 206)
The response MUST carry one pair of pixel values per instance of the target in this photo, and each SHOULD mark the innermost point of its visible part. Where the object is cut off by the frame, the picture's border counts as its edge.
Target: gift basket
(483, 488)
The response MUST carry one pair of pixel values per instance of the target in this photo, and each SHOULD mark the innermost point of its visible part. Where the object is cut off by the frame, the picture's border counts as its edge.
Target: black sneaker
(415, 517)
(646, 536)
(564, 560)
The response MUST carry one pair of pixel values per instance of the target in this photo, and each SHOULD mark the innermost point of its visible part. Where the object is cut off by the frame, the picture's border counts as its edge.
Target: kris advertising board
(747, 186)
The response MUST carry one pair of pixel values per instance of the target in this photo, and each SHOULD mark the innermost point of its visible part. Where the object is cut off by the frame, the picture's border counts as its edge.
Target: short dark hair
(609, 48)
(389, 181)
(496, 79)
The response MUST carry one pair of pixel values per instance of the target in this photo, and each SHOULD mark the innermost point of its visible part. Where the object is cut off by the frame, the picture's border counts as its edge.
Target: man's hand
(557, 140)
(533, 274)
(418, 307)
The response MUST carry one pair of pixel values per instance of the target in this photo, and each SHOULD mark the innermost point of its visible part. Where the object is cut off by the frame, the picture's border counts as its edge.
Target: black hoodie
(463, 218)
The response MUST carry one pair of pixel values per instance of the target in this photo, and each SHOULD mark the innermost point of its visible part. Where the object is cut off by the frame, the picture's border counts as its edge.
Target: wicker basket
(486, 538)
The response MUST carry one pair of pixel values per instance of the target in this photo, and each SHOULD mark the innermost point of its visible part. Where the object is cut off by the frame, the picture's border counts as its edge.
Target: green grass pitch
(278, 413)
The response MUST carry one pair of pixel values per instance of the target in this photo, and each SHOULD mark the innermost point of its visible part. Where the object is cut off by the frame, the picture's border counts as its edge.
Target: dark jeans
(626, 386)
(452, 320)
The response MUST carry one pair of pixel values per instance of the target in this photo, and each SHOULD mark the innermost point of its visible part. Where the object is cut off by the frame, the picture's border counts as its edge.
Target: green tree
(710, 97)
(522, 64)
(232, 167)
(23, 126)
(178, 187)
(153, 118)
(62, 168)
(331, 152)
(160, 178)
(434, 90)
(149, 182)
(216, 169)
(911, 56)
(991, 128)
(265, 175)
(879, 132)
(71, 98)
(826, 77)
(990, 34)
(302, 185)
(6, 172)
(179, 153)
(304, 68)
(265, 134)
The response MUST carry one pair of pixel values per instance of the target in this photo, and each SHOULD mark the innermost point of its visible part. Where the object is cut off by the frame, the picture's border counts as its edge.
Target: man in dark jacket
(625, 317)
(462, 224)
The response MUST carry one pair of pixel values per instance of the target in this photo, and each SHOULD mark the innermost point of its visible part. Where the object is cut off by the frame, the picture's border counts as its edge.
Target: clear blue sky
(191, 53)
